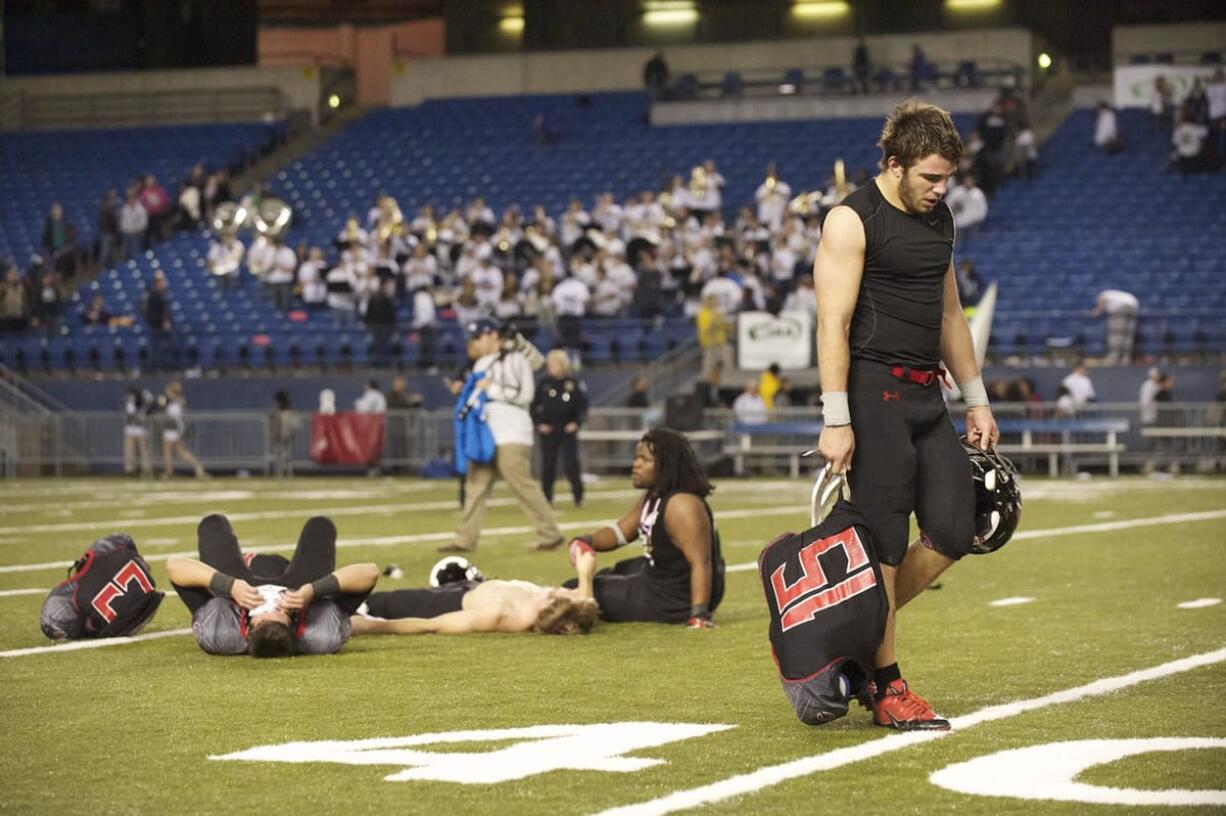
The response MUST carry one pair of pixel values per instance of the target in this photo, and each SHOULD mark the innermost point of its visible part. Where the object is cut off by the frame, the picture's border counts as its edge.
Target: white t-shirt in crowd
(773, 202)
(749, 409)
(727, 293)
(222, 254)
(283, 263)
(570, 298)
(1079, 388)
(372, 401)
(1105, 128)
(313, 288)
(1115, 301)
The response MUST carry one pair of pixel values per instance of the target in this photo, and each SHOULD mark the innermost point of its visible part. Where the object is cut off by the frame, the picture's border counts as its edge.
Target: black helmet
(998, 499)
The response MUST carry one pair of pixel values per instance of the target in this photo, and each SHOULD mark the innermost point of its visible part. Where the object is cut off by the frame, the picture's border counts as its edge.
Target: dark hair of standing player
(915, 130)
(272, 639)
(677, 468)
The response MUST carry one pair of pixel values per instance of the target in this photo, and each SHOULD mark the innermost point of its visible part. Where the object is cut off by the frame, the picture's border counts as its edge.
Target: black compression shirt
(898, 311)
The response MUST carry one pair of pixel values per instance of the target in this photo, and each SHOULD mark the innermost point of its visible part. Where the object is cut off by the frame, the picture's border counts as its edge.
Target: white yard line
(350, 510)
(1124, 524)
(774, 774)
(74, 645)
(34, 591)
(419, 538)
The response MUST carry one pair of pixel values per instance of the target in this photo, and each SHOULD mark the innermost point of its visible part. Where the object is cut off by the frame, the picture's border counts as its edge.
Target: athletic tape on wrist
(617, 532)
(973, 392)
(328, 585)
(221, 584)
(835, 410)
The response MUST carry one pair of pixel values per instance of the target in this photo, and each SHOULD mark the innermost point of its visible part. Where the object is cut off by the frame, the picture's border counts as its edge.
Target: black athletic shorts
(907, 460)
(420, 603)
(625, 593)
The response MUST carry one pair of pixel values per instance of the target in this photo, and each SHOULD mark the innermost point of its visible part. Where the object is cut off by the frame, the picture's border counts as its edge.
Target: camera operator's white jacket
(512, 386)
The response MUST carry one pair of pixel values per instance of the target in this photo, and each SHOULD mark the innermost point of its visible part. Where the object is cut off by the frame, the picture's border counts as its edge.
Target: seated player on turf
(471, 604)
(266, 605)
(680, 578)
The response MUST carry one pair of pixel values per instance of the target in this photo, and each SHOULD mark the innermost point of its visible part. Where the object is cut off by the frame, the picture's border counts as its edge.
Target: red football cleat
(904, 710)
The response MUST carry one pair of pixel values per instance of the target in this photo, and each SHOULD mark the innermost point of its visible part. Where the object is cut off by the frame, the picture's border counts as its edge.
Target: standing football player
(680, 578)
(888, 314)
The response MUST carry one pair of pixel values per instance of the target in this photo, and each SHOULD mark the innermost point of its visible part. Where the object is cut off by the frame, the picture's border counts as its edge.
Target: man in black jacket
(558, 409)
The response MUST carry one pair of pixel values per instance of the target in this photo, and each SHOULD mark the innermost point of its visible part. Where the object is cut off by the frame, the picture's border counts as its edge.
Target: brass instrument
(840, 179)
(698, 183)
(806, 204)
(229, 216)
(272, 217)
(391, 220)
(352, 233)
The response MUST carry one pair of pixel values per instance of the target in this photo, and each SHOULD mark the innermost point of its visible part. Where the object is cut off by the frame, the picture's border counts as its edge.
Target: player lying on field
(265, 605)
(470, 604)
(680, 577)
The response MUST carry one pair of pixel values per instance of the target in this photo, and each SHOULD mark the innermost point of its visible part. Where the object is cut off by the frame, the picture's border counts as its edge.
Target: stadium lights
(1044, 60)
(511, 25)
(334, 101)
(670, 13)
(820, 9)
(971, 5)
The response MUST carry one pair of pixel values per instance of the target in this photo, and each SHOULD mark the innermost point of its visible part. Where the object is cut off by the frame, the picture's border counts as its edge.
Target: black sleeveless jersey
(669, 571)
(898, 312)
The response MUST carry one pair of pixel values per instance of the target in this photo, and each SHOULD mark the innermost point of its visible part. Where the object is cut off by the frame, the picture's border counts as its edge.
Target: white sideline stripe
(1125, 524)
(1199, 603)
(774, 774)
(9, 592)
(94, 644)
(348, 510)
(1018, 601)
(352, 510)
(418, 538)
(388, 541)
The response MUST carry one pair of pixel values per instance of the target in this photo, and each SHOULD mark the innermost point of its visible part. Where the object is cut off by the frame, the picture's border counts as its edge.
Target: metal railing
(172, 107)
(1180, 435)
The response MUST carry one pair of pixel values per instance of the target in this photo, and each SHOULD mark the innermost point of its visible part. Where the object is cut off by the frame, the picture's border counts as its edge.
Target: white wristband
(621, 537)
(973, 392)
(835, 411)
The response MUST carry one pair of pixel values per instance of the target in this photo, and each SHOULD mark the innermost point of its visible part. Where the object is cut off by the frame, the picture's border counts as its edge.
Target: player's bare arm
(613, 535)
(836, 279)
(349, 578)
(585, 570)
(188, 572)
(958, 353)
(687, 524)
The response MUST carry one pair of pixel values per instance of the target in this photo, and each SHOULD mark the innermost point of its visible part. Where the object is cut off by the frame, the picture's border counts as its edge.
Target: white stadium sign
(538, 749)
(764, 339)
(1049, 772)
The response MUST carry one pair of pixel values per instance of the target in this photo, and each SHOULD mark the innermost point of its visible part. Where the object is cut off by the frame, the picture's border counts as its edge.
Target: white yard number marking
(539, 749)
(1048, 772)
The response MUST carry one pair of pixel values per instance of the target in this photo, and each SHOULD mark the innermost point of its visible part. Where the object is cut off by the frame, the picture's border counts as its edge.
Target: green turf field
(130, 728)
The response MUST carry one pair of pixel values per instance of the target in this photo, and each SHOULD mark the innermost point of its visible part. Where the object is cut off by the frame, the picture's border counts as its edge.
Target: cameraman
(505, 362)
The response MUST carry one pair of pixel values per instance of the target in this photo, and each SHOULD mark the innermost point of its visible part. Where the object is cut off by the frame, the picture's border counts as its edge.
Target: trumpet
(806, 203)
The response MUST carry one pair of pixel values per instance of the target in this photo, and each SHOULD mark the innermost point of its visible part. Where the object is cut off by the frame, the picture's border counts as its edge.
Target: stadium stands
(1091, 221)
(1052, 243)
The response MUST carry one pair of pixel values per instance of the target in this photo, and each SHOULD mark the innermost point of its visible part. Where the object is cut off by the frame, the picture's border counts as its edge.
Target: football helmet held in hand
(998, 499)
